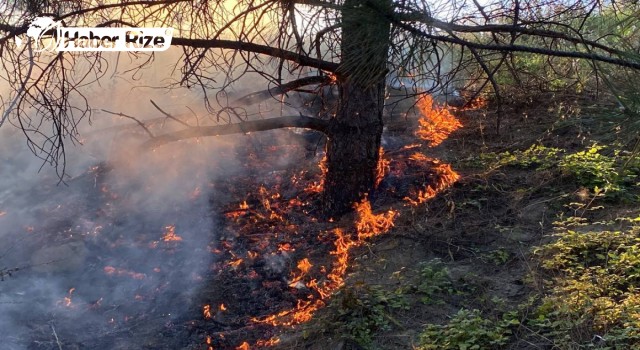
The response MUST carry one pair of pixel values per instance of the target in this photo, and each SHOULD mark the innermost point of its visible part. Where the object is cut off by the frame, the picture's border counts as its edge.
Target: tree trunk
(354, 133)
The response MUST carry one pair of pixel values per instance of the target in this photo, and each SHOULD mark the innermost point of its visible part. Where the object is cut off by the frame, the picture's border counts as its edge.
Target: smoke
(124, 241)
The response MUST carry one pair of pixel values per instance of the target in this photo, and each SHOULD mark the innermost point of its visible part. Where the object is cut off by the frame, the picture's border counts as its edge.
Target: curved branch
(238, 128)
(257, 48)
(520, 48)
(505, 28)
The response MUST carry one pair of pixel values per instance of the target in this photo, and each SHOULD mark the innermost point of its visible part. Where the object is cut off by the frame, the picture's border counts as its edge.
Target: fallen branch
(238, 128)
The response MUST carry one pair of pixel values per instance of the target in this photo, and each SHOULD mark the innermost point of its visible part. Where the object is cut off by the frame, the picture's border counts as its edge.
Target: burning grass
(275, 263)
(282, 262)
(436, 123)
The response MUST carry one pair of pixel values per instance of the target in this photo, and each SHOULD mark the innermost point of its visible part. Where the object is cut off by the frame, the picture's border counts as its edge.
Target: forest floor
(493, 262)
(534, 244)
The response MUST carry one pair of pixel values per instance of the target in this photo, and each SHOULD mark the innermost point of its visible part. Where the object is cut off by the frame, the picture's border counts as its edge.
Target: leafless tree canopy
(293, 44)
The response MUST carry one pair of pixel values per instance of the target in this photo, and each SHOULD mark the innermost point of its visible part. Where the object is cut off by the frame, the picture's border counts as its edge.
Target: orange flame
(243, 346)
(305, 309)
(206, 311)
(66, 301)
(112, 271)
(236, 262)
(445, 178)
(208, 341)
(318, 186)
(436, 123)
(369, 225)
(383, 167)
(170, 234)
(304, 265)
(269, 342)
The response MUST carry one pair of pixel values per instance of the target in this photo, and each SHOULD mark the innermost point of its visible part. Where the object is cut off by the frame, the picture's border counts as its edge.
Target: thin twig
(22, 86)
(134, 119)
(169, 115)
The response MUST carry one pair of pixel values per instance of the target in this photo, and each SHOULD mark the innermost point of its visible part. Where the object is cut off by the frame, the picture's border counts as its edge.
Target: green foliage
(593, 297)
(614, 175)
(498, 257)
(592, 169)
(362, 311)
(535, 157)
(434, 282)
(468, 330)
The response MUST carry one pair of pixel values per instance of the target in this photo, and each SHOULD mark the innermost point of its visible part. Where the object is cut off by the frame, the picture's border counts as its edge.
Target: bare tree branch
(141, 124)
(260, 96)
(257, 48)
(168, 115)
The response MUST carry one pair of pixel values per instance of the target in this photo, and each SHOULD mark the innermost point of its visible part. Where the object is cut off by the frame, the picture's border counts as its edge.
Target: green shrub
(362, 311)
(467, 330)
(434, 282)
(593, 297)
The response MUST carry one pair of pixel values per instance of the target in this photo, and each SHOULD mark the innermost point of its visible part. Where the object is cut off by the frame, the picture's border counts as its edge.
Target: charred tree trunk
(354, 133)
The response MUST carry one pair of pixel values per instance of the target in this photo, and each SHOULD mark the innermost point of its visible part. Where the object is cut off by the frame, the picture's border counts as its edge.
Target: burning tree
(357, 46)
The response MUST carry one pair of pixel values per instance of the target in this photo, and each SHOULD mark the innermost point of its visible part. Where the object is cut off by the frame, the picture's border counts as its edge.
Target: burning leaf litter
(285, 262)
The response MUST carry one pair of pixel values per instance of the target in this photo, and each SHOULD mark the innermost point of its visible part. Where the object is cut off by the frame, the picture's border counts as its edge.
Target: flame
(206, 311)
(270, 342)
(208, 341)
(383, 167)
(170, 234)
(236, 263)
(436, 123)
(243, 346)
(222, 307)
(112, 271)
(369, 225)
(318, 186)
(66, 301)
(244, 205)
(304, 265)
(445, 177)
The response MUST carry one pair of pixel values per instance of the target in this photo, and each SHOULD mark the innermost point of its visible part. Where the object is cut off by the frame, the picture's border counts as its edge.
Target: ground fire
(275, 262)
(275, 242)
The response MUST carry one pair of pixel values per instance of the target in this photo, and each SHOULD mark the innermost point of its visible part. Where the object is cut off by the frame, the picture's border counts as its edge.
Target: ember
(170, 234)
(206, 311)
(112, 271)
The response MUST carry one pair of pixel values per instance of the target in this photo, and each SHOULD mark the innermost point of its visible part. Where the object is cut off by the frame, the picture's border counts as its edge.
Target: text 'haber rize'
(132, 40)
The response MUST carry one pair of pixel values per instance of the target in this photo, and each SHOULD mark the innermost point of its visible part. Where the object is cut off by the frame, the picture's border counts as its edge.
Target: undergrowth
(592, 284)
(600, 169)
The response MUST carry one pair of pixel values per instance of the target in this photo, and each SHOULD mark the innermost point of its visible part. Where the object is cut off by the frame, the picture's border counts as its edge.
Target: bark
(354, 133)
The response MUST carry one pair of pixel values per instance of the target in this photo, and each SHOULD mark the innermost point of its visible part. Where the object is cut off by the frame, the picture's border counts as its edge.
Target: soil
(482, 229)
